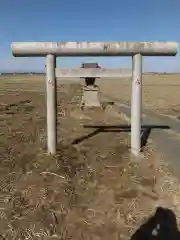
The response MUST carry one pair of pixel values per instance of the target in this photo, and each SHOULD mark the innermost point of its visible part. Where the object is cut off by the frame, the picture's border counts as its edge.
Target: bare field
(160, 92)
(90, 190)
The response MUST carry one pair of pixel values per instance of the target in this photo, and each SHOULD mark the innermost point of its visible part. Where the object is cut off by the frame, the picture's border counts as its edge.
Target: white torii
(51, 50)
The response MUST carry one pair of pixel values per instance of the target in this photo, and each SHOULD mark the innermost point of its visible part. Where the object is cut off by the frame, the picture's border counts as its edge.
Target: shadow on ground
(145, 131)
(161, 226)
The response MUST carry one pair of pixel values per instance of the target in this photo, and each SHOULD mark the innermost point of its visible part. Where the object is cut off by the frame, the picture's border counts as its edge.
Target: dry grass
(160, 92)
(90, 190)
(69, 197)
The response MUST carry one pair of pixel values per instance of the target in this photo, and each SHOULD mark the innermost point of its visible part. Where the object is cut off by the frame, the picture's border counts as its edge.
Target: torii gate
(51, 50)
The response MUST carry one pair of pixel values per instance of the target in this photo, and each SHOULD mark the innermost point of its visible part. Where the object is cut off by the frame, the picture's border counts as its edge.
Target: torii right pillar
(136, 104)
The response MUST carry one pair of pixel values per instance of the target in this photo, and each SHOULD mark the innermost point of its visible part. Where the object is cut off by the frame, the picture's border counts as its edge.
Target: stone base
(136, 159)
(90, 97)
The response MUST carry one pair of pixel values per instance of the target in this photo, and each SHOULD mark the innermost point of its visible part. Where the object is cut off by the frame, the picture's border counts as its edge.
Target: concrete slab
(90, 97)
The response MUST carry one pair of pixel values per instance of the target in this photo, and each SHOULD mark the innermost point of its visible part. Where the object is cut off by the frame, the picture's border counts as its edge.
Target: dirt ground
(90, 190)
(160, 93)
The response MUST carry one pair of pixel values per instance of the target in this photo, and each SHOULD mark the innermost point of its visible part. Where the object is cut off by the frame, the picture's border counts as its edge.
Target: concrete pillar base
(90, 96)
(136, 158)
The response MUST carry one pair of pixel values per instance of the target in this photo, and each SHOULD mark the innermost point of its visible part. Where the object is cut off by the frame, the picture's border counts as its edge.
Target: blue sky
(82, 20)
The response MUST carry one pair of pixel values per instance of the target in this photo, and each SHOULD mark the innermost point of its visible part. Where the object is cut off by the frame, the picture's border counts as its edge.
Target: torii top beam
(35, 49)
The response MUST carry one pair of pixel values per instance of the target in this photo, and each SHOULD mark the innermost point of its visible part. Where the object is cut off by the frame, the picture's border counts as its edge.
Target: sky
(93, 20)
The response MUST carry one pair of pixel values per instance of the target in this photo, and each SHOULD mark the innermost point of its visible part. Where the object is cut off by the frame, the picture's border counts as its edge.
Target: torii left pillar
(51, 109)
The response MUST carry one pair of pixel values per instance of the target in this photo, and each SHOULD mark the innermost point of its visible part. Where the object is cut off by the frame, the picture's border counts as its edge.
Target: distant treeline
(160, 73)
(42, 74)
(22, 73)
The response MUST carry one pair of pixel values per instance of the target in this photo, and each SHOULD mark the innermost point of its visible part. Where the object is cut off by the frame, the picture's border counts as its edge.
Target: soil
(91, 190)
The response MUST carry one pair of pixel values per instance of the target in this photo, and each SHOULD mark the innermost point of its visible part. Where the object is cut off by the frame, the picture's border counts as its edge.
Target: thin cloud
(162, 64)
(21, 64)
